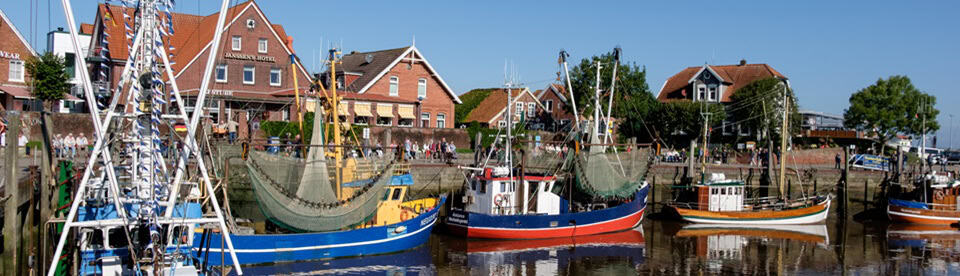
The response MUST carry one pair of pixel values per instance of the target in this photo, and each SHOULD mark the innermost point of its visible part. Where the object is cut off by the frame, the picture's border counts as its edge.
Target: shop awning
(405, 111)
(311, 106)
(342, 109)
(16, 92)
(385, 110)
(362, 109)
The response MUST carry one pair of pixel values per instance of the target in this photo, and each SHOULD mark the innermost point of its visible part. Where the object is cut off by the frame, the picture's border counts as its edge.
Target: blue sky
(828, 49)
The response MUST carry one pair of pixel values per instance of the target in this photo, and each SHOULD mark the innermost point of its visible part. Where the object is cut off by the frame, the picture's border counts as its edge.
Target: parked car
(951, 157)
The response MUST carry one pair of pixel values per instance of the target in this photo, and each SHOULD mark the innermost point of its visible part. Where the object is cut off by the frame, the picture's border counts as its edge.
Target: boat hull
(273, 248)
(613, 219)
(922, 216)
(807, 215)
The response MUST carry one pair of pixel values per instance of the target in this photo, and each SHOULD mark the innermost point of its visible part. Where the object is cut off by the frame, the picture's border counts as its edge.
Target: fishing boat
(328, 204)
(135, 209)
(726, 201)
(932, 199)
(552, 194)
(718, 200)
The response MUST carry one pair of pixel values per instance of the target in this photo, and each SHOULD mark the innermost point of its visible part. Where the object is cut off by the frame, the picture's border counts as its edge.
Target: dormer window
(713, 95)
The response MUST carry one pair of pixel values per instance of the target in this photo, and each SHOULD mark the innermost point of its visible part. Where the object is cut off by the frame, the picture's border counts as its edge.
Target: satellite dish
(368, 58)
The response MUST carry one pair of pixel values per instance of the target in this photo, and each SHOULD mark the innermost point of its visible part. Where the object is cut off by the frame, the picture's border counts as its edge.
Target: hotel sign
(216, 92)
(9, 55)
(250, 57)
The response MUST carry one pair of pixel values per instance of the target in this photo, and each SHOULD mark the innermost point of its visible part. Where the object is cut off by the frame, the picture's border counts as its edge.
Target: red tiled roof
(86, 28)
(735, 76)
(191, 32)
(492, 105)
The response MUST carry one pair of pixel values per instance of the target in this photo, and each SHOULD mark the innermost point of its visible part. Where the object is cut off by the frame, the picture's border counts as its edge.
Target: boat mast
(784, 132)
(613, 84)
(594, 137)
(334, 104)
(573, 100)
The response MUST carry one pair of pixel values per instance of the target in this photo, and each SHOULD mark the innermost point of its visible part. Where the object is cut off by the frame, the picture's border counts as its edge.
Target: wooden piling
(11, 221)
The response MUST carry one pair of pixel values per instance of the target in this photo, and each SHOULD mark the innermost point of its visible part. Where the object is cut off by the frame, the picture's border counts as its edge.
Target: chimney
(353, 52)
(743, 62)
(59, 29)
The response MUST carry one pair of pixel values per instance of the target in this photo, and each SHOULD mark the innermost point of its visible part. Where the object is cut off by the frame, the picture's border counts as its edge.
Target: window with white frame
(422, 88)
(425, 119)
(221, 75)
(286, 114)
(262, 46)
(16, 70)
(712, 96)
(701, 93)
(744, 130)
(727, 128)
(394, 83)
(501, 124)
(548, 105)
(274, 77)
(248, 74)
(384, 121)
(519, 110)
(531, 110)
(235, 43)
(441, 120)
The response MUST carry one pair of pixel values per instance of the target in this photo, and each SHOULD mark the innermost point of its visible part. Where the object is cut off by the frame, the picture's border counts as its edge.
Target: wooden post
(843, 179)
(47, 187)
(11, 228)
(653, 187)
(866, 184)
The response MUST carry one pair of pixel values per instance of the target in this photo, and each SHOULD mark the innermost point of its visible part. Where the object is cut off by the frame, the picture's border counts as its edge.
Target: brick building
(715, 83)
(492, 111)
(554, 100)
(390, 88)
(252, 72)
(14, 51)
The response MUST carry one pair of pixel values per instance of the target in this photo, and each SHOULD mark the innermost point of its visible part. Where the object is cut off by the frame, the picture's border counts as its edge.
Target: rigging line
(748, 103)
(746, 119)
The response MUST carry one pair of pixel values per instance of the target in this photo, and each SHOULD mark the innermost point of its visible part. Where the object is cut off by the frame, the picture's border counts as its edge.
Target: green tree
(632, 100)
(759, 106)
(48, 81)
(679, 121)
(890, 107)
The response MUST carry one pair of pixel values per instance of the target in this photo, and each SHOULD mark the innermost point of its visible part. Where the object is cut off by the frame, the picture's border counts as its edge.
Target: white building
(59, 43)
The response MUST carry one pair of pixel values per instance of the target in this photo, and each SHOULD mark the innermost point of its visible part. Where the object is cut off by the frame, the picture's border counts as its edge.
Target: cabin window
(483, 187)
(178, 235)
(94, 238)
(117, 238)
(503, 186)
(546, 187)
(387, 194)
(396, 193)
(723, 191)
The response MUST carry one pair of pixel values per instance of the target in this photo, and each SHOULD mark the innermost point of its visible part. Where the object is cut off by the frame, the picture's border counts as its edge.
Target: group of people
(430, 150)
(70, 146)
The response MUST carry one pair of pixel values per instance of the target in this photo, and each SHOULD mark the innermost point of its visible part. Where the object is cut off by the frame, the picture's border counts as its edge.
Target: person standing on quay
(232, 130)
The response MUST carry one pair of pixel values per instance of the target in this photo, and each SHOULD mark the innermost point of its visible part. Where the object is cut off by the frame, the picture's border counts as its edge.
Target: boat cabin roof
(109, 211)
(396, 180)
(727, 182)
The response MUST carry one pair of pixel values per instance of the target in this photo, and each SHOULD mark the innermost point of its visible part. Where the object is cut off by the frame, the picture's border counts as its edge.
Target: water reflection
(412, 262)
(924, 249)
(617, 253)
(672, 248)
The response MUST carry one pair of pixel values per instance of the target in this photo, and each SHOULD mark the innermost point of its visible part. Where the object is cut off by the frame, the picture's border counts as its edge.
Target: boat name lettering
(250, 57)
(428, 219)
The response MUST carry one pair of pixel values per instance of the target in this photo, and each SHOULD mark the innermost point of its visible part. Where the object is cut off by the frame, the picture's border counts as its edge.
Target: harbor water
(673, 248)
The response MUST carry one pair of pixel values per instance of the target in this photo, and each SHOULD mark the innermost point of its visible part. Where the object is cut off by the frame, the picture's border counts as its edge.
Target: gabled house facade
(492, 111)
(14, 51)
(554, 100)
(251, 76)
(716, 84)
(393, 88)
